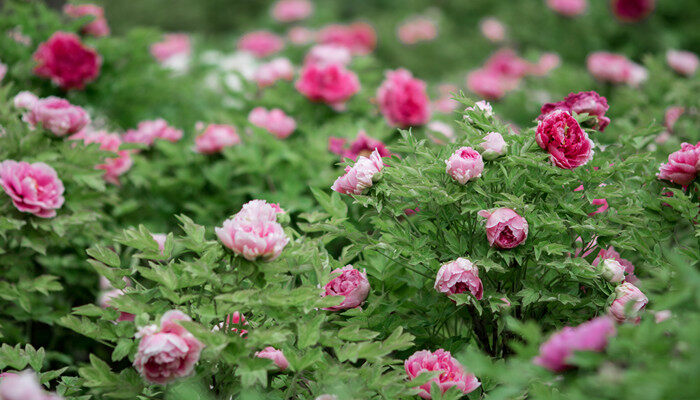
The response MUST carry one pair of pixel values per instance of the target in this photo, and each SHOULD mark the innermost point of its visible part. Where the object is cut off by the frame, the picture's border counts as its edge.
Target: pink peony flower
(360, 176)
(359, 37)
(328, 54)
(615, 68)
(459, 276)
(561, 135)
(403, 99)
(254, 232)
(299, 35)
(327, 397)
(546, 63)
(148, 131)
(269, 73)
(215, 138)
(612, 270)
(502, 72)
(590, 103)
(482, 106)
(274, 121)
(34, 188)
(97, 27)
(610, 253)
(453, 373)
(350, 283)
(444, 130)
(670, 116)
(487, 84)
(291, 10)
(3, 71)
(363, 145)
(683, 62)
(23, 386)
(589, 336)
(505, 229)
(418, 29)
(632, 10)
(568, 8)
(113, 166)
(445, 103)
(25, 100)
(167, 353)
(172, 45)
(603, 203)
(493, 146)
(507, 64)
(66, 61)
(464, 165)
(492, 29)
(682, 166)
(628, 304)
(661, 316)
(232, 323)
(332, 84)
(261, 43)
(275, 355)
(56, 115)
(105, 300)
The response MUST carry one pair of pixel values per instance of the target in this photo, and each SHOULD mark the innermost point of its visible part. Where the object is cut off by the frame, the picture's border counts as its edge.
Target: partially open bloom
(464, 165)
(590, 103)
(418, 29)
(493, 146)
(363, 145)
(113, 166)
(173, 45)
(105, 301)
(328, 54)
(612, 270)
(97, 27)
(683, 62)
(291, 10)
(254, 232)
(25, 100)
(167, 353)
(589, 336)
(561, 135)
(34, 188)
(482, 106)
(452, 372)
(274, 121)
(505, 229)
(632, 10)
(57, 115)
(360, 176)
(215, 138)
(148, 131)
(615, 68)
(67, 61)
(275, 355)
(403, 99)
(682, 166)
(332, 84)
(350, 283)
(23, 386)
(459, 276)
(501, 73)
(492, 29)
(261, 43)
(628, 304)
(358, 37)
(278, 69)
(568, 8)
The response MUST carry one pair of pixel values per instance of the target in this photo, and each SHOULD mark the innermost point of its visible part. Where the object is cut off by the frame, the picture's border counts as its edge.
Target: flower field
(349, 200)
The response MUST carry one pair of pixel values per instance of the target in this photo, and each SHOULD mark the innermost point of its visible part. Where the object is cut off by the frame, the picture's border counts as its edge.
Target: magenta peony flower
(360, 176)
(56, 115)
(492, 29)
(403, 99)
(167, 353)
(328, 54)
(417, 29)
(363, 145)
(34, 188)
(683, 62)
(274, 121)
(628, 304)
(682, 166)
(612, 270)
(359, 37)
(453, 373)
(25, 100)
(583, 102)
(568, 8)
(261, 43)
(269, 73)
(66, 61)
(615, 68)
(105, 300)
(291, 10)
(493, 146)
(670, 116)
(332, 84)
(232, 323)
(632, 10)
(275, 355)
(172, 45)
(215, 138)
(561, 135)
(97, 27)
(148, 131)
(113, 166)
(505, 229)
(23, 386)
(459, 276)
(589, 336)
(464, 165)
(350, 283)
(254, 232)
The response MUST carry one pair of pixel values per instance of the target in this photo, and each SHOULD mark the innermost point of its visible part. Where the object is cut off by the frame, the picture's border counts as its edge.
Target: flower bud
(493, 146)
(465, 165)
(459, 276)
(612, 270)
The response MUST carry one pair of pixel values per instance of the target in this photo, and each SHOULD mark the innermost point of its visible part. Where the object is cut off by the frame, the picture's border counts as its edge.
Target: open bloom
(113, 166)
(34, 188)
(632, 10)
(173, 45)
(328, 54)
(464, 165)
(57, 115)
(278, 69)
(683, 62)
(67, 61)
(363, 145)
(561, 135)
(274, 121)
(590, 103)
(504, 228)
(332, 84)
(215, 138)
(589, 336)
(615, 68)
(275, 355)
(97, 27)
(459, 276)
(261, 43)
(360, 176)
(493, 146)
(682, 166)
(167, 353)
(568, 8)
(350, 283)
(358, 37)
(23, 386)
(148, 131)
(254, 232)
(403, 99)
(418, 29)
(628, 304)
(492, 29)
(291, 10)
(452, 372)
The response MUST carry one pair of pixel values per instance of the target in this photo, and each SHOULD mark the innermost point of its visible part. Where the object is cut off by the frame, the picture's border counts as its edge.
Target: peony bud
(561, 135)
(459, 276)
(351, 283)
(493, 146)
(628, 304)
(55, 115)
(275, 355)
(464, 165)
(361, 176)
(612, 270)
(505, 229)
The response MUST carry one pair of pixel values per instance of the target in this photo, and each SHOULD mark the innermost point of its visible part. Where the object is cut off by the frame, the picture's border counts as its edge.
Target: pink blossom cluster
(97, 27)
(233, 321)
(274, 121)
(328, 54)
(110, 142)
(358, 37)
(291, 10)
(65, 60)
(363, 145)
(361, 176)
(332, 84)
(416, 30)
(403, 99)
(492, 29)
(615, 68)
(215, 138)
(261, 43)
(593, 335)
(452, 373)
(148, 131)
(350, 283)
(270, 72)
